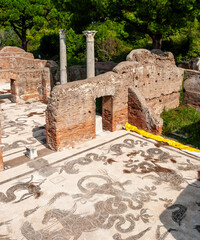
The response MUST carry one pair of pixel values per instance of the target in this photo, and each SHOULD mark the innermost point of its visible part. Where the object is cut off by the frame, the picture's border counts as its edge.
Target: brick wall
(30, 85)
(156, 76)
(140, 115)
(70, 115)
(30, 78)
(135, 91)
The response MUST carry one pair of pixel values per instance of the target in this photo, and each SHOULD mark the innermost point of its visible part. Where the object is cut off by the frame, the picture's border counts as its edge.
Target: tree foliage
(122, 25)
(27, 17)
(8, 37)
(157, 18)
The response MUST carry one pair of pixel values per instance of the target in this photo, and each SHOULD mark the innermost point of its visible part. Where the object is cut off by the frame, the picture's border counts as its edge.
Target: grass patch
(183, 120)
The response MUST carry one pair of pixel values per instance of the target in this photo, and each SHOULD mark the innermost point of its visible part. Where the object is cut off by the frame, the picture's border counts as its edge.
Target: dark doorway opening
(99, 125)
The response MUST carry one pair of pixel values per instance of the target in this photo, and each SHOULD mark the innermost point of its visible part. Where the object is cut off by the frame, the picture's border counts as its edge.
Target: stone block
(192, 88)
(140, 115)
(15, 52)
(31, 153)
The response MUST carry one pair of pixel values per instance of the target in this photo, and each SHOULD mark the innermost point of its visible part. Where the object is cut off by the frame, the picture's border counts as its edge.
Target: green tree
(8, 37)
(27, 17)
(157, 18)
(110, 40)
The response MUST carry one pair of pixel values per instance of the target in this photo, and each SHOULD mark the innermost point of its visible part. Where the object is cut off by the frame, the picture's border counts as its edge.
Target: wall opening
(99, 125)
(107, 113)
(104, 116)
(13, 89)
(5, 92)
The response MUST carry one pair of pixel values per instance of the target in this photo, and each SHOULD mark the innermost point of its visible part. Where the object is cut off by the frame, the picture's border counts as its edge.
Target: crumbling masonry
(136, 91)
(30, 78)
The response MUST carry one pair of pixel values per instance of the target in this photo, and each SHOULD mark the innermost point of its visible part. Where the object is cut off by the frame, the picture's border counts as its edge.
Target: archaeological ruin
(30, 78)
(135, 91)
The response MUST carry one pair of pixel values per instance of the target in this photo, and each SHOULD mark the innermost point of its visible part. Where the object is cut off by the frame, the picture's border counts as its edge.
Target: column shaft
(63, 56)
(90, 53)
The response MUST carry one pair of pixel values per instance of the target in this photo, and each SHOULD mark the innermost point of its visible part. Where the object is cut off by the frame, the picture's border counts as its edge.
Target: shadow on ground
(39, 133)
(5, 96)
(182, 219)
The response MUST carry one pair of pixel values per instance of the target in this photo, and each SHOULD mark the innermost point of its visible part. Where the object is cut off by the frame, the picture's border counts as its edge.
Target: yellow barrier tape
(172, 143)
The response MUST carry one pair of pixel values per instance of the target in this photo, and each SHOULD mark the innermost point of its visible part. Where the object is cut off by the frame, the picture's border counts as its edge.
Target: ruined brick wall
(30, 85)
(31, 78)
(70, 115)
(192, 88)
(140, 115)
(135, 91)
(155, 76)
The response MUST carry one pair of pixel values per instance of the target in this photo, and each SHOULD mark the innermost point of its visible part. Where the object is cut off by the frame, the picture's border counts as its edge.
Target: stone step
(99, 126)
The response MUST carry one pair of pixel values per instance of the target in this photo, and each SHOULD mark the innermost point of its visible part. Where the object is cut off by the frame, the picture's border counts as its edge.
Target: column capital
(89, 35)
(62, 33)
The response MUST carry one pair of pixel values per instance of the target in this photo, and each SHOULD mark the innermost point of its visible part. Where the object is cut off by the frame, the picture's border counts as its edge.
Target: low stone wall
(31, 79)
(136, 90)
(78, 72)
(192, 88)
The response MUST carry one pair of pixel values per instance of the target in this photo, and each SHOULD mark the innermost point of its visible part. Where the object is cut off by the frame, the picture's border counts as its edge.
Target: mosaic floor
(122, 187)
(23, 125)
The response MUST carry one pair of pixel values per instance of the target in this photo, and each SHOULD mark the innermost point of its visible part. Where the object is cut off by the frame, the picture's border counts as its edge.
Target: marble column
(63, 56)
(90, 53)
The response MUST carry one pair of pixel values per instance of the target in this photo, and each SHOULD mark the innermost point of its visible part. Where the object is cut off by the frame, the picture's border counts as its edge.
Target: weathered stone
(156, 76)
(134, 91)
(104, 66)
(193, 64)
(63, 56)
(15, 52)
(90, 53)
(140, 115)
(164, 56)
(125, 67)
(69, 124)
(139, 55)
(31, 79)
(78, 72)
(167, 101)
(30, 85)
(192, 88)
(196, 64)
(185, 64)
(143, 55)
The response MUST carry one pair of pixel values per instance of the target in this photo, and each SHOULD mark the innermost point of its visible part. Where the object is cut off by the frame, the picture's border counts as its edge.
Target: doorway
(104, 116)
(99, 125)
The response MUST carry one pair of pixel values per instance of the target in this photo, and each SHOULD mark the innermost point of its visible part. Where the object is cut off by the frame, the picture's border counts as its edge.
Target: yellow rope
(172, 143)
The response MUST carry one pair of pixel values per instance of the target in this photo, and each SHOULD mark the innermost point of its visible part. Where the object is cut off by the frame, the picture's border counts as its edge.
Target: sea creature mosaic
(123, 189)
